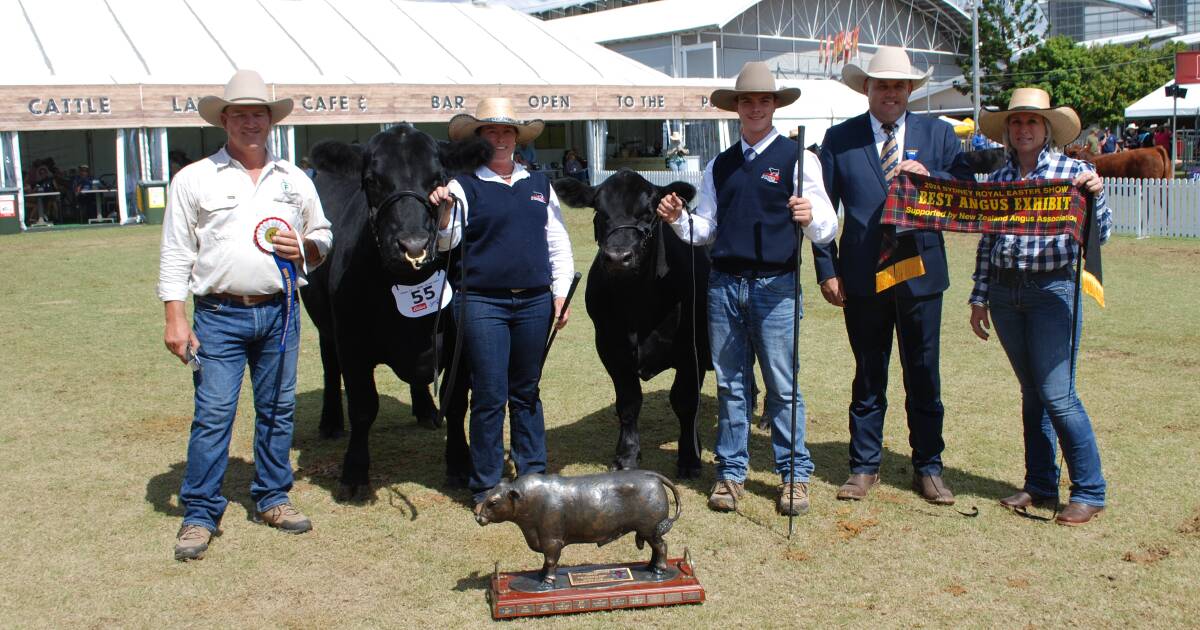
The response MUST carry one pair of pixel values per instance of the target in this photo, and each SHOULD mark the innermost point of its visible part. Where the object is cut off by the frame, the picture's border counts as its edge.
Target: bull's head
(625, 222)
(499, 505)
(398, 168)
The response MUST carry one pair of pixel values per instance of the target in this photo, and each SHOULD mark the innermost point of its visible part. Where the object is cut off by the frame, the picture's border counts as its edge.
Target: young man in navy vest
(747, 205)
(854, 155)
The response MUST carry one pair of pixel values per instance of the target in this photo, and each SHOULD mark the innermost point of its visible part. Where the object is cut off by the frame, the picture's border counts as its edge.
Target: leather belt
(1013, 278)
(245, 300)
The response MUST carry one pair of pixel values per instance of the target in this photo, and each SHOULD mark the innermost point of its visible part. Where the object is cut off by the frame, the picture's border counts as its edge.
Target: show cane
(566, 305)
(796, 335)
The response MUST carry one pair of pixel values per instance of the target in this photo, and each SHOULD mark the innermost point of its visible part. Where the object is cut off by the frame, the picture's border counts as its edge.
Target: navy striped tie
(889, 156)
(749, 154)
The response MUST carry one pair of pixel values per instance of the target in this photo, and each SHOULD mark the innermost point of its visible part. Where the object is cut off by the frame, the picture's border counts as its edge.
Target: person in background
(1025, 284)
(1093, 141)
(1110, 141)
(528, 155)
(573, 166)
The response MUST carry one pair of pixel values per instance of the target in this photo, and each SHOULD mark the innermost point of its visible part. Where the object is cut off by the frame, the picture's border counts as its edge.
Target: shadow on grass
(401, 451)
(593, 438)
(162, 490)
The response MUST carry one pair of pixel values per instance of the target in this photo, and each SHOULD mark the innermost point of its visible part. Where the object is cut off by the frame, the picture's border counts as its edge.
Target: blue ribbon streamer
(287, 271)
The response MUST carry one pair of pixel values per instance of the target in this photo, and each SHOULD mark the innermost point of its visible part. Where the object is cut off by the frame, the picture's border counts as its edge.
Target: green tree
(1097, 82)
(1006, 27)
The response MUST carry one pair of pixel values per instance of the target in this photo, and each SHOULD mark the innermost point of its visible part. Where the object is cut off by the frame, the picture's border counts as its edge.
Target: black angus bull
(646, 294)
(384, 259)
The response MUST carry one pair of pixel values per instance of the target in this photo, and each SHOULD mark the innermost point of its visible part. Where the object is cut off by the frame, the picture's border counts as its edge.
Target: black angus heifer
(371, 301)
(646, 294)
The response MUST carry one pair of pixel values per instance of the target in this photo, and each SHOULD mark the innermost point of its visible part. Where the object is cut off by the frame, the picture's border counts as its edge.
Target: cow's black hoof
(623, 464)
(332, 433)
(687, 471)
(353, 493)
(428, 421)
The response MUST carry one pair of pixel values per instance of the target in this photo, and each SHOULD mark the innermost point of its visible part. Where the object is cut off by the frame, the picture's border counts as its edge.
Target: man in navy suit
(854, 156)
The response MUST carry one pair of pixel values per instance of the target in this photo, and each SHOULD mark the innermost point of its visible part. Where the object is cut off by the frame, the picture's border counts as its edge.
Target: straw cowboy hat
(494, 111)
(1064, 122)
(245, 88)
(889, 63)
(755, 78)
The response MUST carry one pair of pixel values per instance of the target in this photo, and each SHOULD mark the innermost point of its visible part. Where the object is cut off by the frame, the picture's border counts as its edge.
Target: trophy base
(594, 587)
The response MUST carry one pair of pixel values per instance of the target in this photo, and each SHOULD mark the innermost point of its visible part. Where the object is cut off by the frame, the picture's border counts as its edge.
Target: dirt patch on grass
(797, 555)
(956, 590)
(850, 528)
(1191, 527)
(1149, 555)
(1110, 353)
(1018, 582)
(321, 469)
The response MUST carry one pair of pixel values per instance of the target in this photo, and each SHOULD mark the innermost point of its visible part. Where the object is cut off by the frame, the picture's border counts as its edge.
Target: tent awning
(1158, 105)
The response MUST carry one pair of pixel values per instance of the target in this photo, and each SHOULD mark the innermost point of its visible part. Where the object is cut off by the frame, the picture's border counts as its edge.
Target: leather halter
(393, 199)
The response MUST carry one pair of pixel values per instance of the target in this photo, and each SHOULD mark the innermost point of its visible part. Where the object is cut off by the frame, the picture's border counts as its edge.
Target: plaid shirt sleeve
(983, 265)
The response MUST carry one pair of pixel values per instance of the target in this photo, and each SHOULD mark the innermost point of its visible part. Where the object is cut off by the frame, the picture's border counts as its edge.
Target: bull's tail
(665, 526)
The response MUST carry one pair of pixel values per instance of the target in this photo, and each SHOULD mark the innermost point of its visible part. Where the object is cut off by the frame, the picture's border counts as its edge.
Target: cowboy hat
(1064, 122)
(755, 78)
(676, 137)
(889, 62)
(245, 88)
(494, 111)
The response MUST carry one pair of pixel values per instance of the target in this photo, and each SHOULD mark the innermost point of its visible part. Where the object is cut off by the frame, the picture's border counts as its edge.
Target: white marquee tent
(1158, 105)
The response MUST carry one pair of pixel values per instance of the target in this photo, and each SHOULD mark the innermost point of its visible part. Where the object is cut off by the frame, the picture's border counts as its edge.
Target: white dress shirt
(562, 261)
(212, 210)
(824, 224)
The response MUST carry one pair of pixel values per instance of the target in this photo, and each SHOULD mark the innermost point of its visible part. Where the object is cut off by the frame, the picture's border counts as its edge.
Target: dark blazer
(854, 178)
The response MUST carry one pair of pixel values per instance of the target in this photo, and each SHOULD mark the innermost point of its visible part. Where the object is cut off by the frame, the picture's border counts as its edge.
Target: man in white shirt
(749, 199)
(241, 231)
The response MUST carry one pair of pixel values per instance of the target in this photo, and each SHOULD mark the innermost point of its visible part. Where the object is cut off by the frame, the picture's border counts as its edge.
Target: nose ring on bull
(418, 261)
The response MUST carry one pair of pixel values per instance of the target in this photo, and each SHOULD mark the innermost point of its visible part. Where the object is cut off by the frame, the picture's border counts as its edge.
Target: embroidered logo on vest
(771, 175)
(538, 197)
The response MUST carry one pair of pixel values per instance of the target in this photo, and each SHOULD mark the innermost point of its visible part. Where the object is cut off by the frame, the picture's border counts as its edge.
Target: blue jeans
(1033, 321)
(230, 336)
(504, 335)
(748, 318)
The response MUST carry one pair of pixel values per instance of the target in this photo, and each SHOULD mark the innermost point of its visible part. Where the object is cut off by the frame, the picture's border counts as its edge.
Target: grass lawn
(94, 416)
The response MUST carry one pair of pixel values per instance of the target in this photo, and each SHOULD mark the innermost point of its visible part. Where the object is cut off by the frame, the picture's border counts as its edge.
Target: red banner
(1035, 208)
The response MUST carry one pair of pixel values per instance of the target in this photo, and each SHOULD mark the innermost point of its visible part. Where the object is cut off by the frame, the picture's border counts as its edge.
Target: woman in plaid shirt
(1026, 284)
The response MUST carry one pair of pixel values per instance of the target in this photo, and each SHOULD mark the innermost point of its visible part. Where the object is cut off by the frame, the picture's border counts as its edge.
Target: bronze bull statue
(554, 511)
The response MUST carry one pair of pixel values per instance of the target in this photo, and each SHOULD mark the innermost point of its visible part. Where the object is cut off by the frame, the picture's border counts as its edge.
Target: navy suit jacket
(854, 178)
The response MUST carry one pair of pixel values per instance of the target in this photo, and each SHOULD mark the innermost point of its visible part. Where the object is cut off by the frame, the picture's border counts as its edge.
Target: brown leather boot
(933, 489)
(793, 499)
(857, 487)
(286, 518)
(1022, 501)
(191, 542)
(1078, 514)
(725, 495)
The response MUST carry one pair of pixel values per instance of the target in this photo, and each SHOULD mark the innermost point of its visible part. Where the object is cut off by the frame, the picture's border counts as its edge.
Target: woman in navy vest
(519, 268)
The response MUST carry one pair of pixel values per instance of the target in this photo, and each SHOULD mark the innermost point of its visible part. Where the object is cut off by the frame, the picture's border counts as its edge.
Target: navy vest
(755, 231)
(506, 233)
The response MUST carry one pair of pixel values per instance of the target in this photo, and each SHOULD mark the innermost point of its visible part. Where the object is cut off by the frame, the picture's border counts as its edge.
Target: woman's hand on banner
(913, 166)
(1089, 181)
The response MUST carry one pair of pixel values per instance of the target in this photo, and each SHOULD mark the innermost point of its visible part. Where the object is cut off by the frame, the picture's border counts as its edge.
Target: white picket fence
(1154, 207)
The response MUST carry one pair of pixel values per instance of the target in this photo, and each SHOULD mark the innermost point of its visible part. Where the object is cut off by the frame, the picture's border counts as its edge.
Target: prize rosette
(265, 231)
(264, 239)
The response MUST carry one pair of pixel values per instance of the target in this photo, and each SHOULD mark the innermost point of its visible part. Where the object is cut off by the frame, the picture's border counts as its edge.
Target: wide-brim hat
(1064, 122)
(755, 78)
(245, 88)
(890, 63)
(494, 111)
